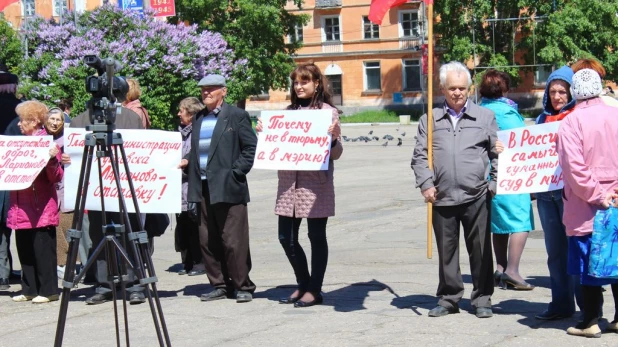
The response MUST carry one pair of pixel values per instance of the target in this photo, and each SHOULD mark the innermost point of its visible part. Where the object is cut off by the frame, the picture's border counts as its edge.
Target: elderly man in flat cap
(222, 152)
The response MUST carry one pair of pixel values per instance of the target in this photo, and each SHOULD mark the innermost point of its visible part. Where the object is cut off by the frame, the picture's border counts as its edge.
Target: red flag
(378, 9)
(5, 3)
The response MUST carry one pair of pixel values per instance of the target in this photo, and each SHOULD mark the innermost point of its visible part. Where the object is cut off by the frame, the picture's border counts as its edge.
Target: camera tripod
(107, 144)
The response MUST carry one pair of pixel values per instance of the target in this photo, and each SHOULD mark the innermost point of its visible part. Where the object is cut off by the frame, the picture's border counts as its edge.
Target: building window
(28, 8)
(60, 7)
(541, 74)
(370, 30)
(297, 33)
(412, 74)
(331, 29)
(373, 80)
(409, 24)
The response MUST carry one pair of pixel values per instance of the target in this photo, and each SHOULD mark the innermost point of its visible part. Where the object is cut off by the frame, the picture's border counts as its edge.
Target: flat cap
(212, 80)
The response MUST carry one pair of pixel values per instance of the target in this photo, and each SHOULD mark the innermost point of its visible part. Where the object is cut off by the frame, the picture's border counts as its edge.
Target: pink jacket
(309, 194)
(37, 205)
(588, 153)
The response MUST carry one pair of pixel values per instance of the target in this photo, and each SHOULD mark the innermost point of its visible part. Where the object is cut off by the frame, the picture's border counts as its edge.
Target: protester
(127, 119)
(34, 216)
(186, 235)
(133, 103)
(54, 125)
(66, 105)
(222, 151)
(308, 194)
(588, 153)
(464, 136)
(511, 215)
(557, 104)
(8, 103)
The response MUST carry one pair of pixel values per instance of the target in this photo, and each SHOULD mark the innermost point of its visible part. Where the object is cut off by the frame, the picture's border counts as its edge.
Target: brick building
(18, 12)
(371, 66)
(367, 65)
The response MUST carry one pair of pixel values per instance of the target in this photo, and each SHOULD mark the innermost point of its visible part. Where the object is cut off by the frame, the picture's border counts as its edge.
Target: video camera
(107, 90)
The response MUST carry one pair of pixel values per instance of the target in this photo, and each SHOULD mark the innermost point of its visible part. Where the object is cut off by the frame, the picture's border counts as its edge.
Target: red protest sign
(163, 8)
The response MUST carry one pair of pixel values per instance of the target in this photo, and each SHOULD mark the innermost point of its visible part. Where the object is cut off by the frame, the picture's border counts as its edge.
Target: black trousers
(224, 240)
(288, 237)
(96, 235)
(187, 239)
(592, 297)
(36, 249)
(475, 219)
(6, 260)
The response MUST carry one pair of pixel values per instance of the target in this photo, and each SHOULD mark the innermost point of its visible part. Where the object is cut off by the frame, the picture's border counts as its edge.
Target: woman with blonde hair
(33, 214)
(133, 103)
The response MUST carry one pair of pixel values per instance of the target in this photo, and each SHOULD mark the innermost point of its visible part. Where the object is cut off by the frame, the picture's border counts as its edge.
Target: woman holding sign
(308, 194)
(33, 214)
(511, 215)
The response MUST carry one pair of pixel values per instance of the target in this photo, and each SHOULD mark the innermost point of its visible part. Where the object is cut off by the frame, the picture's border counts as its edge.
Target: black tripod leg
(112, 273)
(139, 263)
(146, 259)
(75, 235)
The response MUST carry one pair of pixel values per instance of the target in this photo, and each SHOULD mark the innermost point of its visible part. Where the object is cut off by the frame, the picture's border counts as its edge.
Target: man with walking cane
(460, 185)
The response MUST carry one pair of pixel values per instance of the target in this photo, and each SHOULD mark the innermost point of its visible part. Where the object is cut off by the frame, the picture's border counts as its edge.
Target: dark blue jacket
(565, 74)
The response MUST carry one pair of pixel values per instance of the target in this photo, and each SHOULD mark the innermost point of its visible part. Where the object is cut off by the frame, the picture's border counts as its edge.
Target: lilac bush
(167, 59)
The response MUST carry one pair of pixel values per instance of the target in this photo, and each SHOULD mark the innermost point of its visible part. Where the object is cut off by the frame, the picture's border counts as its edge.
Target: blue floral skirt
(579, 256)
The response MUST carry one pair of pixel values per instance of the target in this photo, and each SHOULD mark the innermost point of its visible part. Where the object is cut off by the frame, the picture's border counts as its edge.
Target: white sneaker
(60, 271)
(43, 300)
(22, 298)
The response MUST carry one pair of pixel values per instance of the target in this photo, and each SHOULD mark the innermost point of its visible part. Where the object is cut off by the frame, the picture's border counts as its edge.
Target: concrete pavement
(378, 288)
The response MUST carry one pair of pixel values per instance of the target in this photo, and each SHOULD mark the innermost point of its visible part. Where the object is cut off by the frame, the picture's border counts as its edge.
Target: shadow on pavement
(352, 297)
(175, 268)
(276, 293)
(195, 289)
(414, 302)
(528, 310)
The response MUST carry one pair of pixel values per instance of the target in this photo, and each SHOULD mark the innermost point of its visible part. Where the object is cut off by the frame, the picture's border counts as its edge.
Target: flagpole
(430, 119)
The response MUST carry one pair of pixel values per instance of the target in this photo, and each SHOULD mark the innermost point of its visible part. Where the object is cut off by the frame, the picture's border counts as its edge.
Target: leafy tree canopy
(563, 32)
(255, 30)
(582, 29)
(11, 53)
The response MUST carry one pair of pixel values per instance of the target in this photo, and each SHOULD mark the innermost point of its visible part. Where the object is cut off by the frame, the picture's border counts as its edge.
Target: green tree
(255, 30)
(582, 29)
(11, 53)
(564, 31)
(467, 29)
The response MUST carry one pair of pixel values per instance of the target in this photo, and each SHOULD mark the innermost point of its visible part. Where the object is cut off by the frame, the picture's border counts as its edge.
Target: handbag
(603, 260)
(156, 224)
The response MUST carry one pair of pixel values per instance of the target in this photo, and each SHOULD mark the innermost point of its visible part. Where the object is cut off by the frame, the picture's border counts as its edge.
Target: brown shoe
(590, 330)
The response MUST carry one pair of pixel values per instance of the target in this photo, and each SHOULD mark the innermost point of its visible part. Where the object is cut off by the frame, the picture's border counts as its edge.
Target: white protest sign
(153, 157)
(21, 160)
(294, 140)
(529, 163)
